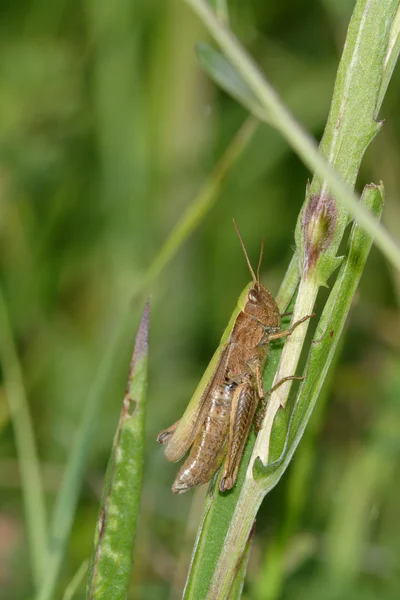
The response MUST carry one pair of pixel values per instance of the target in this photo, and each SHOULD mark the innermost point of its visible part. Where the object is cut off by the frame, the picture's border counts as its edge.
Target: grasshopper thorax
(261, 306)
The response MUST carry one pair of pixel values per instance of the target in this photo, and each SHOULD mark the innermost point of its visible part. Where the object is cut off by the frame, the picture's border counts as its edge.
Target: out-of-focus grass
(108, 128)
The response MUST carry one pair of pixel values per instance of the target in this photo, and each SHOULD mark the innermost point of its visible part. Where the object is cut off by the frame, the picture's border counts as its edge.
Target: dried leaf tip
(142, 337)
(142, 340)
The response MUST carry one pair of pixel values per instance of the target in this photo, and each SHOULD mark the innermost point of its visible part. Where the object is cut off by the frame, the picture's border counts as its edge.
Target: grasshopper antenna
(245, 253)
(260, 260)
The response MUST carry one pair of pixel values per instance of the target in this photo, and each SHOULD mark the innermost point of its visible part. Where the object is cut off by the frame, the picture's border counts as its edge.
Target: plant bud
(318, 227)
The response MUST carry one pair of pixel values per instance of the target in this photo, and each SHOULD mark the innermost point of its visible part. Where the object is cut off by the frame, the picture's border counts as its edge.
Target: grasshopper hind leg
(244, 406)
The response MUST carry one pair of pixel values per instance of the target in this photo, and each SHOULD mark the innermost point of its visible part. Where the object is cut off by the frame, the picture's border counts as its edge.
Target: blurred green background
(108, 129)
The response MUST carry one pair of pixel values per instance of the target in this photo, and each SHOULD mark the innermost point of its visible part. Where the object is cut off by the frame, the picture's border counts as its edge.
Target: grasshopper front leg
(287, 332)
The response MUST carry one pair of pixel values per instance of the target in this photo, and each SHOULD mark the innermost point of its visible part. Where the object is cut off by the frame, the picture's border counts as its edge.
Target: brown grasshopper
(217, 421)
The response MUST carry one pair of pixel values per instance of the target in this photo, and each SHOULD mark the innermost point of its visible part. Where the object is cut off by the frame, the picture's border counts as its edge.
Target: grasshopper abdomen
(207, 450)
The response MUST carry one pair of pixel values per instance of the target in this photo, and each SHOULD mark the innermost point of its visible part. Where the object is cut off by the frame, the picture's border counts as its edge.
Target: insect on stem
(216, 424)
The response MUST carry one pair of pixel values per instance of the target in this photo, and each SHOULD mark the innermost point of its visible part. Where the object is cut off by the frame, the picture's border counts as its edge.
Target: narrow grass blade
(76, 581)
(221, 71)
(111, 562)
(32, 488)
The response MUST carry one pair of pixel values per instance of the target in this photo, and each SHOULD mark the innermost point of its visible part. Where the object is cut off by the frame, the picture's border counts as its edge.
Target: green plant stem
(32, 488)
(289, 283)
(304, 305)
(265, 474)
(283, 120)
(271, 576)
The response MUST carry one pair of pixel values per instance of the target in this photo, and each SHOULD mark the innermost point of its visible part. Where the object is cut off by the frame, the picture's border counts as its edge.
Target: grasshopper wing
(180, 436)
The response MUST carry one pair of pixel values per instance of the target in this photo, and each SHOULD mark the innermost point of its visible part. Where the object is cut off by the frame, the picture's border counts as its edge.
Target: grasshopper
(218, 419)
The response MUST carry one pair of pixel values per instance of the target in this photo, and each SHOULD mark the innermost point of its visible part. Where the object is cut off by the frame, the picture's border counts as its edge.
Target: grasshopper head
(261, 305)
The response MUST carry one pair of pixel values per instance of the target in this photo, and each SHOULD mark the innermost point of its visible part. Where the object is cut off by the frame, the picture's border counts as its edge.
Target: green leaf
(227, 521)
(111, 561)
(222, 72)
